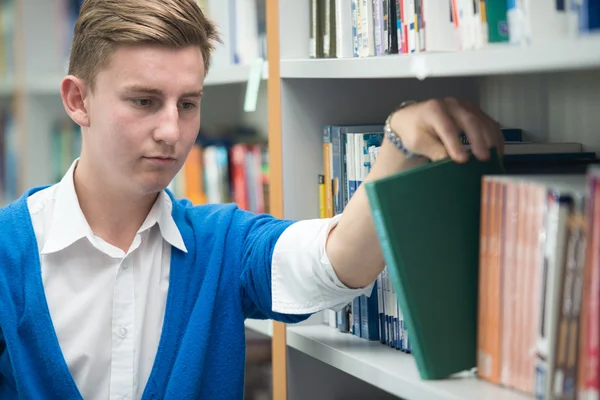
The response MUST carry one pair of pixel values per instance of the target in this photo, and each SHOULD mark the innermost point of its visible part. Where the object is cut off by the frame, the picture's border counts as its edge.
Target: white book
(440, 33)
(409, 23)
(535, 21)
(343, 29)
(365, 21)
(469, 25)
(556, 229)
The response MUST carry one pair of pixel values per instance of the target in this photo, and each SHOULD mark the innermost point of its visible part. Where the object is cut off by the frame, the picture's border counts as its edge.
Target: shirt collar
(69, 224)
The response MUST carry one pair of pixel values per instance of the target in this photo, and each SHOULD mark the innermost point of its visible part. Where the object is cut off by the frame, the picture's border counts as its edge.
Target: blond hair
(105, 24)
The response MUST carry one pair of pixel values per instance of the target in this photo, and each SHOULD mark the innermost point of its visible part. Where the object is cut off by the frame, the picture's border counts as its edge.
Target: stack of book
(511, 272)
(366, 28)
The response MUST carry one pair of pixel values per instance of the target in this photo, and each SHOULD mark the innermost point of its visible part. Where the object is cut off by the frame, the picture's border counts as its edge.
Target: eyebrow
(158, 92)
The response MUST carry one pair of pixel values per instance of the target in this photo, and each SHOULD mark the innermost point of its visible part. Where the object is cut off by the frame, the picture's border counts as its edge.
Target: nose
(168, 126)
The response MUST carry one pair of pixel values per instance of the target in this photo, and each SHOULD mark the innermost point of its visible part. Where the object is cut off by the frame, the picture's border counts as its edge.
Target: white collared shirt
(107, 306)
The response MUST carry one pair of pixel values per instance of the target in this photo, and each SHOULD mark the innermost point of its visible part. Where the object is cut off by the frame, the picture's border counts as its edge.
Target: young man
(112, 289)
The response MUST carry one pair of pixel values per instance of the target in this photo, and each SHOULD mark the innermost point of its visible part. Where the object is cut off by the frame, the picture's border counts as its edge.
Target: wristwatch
(393, 136)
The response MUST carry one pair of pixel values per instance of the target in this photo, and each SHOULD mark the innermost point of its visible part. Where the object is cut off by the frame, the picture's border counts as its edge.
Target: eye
(188, 105)
(142, 102)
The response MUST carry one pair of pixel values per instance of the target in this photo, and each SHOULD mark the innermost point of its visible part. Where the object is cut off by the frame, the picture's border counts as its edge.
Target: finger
(471, 124)
(496, 134)
(443, 126)
(493, 133)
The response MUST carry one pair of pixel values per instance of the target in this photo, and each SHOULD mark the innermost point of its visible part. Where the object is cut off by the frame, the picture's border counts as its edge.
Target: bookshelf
(385, 369)
(6, 87)
(50, 84)
(502, 59)
(33, 100)
(548, 89)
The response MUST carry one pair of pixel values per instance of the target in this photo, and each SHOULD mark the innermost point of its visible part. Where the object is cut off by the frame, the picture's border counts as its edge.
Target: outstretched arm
(430, 129)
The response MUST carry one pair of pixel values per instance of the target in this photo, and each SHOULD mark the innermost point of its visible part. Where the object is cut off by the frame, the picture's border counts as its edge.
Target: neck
(113, 214)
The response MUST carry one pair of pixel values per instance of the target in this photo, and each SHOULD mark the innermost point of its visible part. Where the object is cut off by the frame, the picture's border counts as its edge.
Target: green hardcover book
(496, 15)
(427, 220)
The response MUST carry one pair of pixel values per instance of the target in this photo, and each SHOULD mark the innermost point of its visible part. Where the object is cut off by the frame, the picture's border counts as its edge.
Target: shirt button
(122, 333)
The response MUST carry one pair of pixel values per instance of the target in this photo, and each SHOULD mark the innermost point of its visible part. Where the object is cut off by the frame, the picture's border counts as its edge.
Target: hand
(432, 128)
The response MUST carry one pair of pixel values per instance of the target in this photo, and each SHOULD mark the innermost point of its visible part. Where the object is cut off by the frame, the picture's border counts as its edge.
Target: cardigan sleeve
(286, 274)
(260, 235)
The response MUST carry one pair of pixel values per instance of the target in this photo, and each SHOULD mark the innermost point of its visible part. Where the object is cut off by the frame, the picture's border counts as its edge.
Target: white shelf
(264, 327)
(44, 85)
(580, 53)
(386, 368)
(232, 74)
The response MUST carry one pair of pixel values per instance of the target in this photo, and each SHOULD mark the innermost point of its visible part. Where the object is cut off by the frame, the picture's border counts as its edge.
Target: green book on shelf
(427, 220)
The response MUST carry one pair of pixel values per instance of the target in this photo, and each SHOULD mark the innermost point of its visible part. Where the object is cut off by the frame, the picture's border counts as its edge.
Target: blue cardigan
(223, 279)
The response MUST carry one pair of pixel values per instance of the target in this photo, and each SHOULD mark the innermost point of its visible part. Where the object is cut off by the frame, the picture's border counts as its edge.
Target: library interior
(293, 117)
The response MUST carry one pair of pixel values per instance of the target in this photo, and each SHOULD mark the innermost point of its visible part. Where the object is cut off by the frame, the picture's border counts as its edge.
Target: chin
(154, 186)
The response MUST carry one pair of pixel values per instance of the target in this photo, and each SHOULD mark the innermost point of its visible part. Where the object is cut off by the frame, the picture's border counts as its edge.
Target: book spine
(355, 28)
(392, 27)
(344, 29)
(484, 329)
(592, 336)
(326, 33)
(381, 304)
(322, 201)
(578, 236)
(559, 206)
(497, 24)
(327, 167)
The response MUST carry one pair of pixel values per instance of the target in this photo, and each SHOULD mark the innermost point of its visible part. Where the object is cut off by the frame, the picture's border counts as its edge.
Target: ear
(73, 92)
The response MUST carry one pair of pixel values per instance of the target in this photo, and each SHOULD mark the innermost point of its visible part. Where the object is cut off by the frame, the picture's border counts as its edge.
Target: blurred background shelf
(232, 74)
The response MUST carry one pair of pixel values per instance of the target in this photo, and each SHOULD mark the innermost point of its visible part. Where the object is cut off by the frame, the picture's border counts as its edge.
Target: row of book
(349, 151)
(224, 173)
(366, 28)
(539, 284)
(7, 28)
(347, 158)
(216, 171)
(514, 277)
(242, 27)
(377, 316)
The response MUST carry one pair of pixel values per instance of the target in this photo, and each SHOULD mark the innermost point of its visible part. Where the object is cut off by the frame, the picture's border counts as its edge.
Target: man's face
(144, 115)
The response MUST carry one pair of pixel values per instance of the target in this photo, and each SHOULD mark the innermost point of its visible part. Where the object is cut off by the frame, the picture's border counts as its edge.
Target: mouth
(161, 160)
